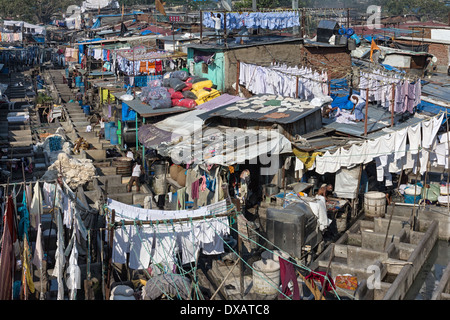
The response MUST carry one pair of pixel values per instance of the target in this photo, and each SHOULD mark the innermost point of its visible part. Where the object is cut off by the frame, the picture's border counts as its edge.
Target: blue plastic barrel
(356, 38)
(87, 110)
(113, 135)
(108, 125)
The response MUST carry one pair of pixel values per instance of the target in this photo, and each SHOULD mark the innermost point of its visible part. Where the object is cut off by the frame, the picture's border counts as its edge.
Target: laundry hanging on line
(391, 91)
(282, 79)
(262, 20)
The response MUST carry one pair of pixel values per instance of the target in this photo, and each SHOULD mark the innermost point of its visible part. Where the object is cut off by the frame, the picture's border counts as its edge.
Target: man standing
(217, 26)
(135, 175)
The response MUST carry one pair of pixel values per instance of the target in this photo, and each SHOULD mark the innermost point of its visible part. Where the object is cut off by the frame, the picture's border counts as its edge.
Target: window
(204, 68)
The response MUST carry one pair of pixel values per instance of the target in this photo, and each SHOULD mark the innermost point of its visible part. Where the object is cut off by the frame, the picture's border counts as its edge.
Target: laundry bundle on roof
(76, 172)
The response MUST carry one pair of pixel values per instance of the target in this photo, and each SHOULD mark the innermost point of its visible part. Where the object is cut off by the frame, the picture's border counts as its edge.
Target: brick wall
(336, 60)
(441, 51)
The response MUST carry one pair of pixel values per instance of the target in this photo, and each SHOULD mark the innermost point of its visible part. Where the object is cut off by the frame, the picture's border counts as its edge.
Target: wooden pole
(296, 87)
(367, 111)
(392, 105)
(238, 72)
(224, 27)
(348, 18)
(448, 150)
(201, 26)
(302, 28)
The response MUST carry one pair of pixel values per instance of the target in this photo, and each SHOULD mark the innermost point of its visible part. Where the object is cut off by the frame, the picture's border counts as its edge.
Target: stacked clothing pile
(178, 89)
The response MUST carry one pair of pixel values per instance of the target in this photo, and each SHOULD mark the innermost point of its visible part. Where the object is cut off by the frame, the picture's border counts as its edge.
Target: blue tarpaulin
(342, 103)
(145, 32)
(128, 114)
(429, 107)
(96, 24)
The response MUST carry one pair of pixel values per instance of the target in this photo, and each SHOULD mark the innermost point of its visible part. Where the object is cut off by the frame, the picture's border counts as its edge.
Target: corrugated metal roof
(151, 135)
(248, 110)
(442, 92)
(379, 118)
(328, 24)
(145, 110)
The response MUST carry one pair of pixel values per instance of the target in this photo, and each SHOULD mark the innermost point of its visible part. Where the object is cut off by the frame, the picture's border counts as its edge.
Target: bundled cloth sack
(205, 95)
(161, 103)
(176, 84)
(122, 292)
(187, 103)
(188, 95)
(175, 94)
(202, 84)
(154, 83)
(188, 86)
(196, 79)
(181, 74)
(154, 93)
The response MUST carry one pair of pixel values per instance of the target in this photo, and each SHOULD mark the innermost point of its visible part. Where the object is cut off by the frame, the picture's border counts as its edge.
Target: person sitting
(328, 110)
(325, 190)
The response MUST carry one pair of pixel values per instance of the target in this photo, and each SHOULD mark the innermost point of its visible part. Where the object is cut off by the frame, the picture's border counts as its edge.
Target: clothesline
(138, 222)
(390, 151)
(284, 9)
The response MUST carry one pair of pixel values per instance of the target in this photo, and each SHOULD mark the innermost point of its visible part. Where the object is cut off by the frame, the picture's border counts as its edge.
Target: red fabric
(158, 66)
(188, 86)
(7, 263)
(176, 95)
(9, 218)
(320, 275)
(187, 103)
(287, 273)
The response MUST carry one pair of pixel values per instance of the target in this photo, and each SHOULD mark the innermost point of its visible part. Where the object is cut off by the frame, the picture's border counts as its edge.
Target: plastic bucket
(266, 277)
(108, 125)
(87, 110)
(374, 204)
(114, 138)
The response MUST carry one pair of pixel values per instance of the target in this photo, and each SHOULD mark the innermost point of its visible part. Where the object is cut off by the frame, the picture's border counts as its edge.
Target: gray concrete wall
(439, 213)
(409, 272)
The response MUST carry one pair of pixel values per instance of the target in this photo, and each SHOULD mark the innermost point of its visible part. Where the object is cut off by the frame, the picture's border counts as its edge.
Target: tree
(34, 11)
(427, 9)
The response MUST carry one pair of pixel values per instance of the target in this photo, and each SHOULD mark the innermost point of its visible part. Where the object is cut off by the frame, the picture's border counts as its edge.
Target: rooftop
(265, 108)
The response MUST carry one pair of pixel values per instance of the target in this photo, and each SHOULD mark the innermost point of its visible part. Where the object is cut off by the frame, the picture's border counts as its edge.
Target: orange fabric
(373, 47)
(147, 67)
(160, 7)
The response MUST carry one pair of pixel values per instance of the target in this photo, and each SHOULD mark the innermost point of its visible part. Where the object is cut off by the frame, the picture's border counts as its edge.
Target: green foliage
(426, 9)
(34, 11)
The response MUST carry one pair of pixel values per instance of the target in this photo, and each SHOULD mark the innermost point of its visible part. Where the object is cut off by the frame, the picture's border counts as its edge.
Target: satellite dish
(226, 4)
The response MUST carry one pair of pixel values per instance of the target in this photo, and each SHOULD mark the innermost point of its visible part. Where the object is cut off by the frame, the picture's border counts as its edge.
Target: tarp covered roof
(152, 135)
